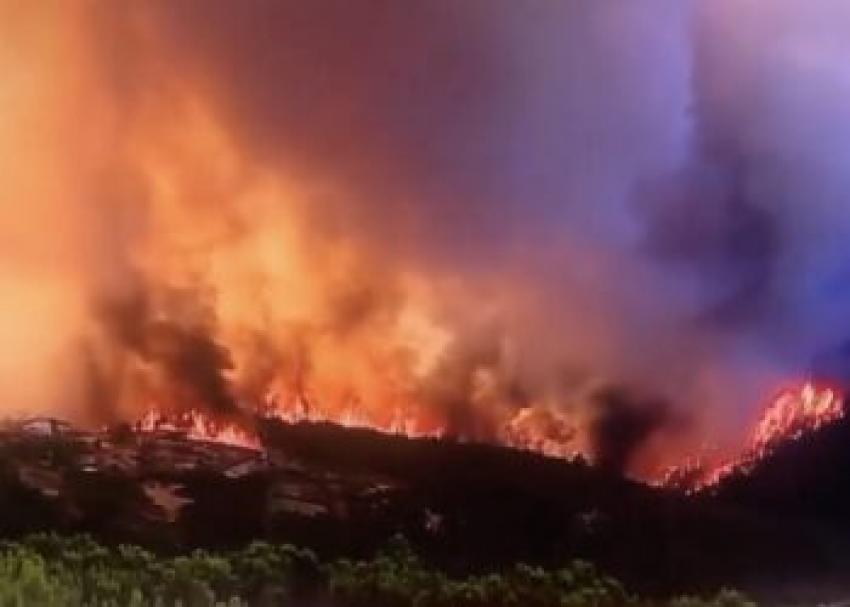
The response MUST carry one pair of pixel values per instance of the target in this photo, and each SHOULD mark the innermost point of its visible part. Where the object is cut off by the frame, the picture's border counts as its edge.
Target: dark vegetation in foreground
(467, 509)
(54, 571)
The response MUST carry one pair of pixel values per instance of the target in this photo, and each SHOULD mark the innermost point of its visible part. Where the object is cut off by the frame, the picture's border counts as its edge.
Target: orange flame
(200, 427)
(543, 431)
(792, 414)
(351, 416)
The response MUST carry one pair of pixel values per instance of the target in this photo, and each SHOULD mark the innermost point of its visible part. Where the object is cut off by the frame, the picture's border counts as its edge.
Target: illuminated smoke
(472, 217)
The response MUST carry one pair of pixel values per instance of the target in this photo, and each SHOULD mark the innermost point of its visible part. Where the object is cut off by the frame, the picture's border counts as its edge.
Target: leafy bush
(52, 571)
(396, 578)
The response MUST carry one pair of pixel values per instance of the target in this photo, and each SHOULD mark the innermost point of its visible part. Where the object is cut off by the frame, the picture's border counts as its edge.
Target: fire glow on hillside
(791, 415)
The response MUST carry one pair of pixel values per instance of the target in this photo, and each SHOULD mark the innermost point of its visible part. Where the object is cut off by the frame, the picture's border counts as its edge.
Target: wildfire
(792, 414)
(197, 425)
(351, 416)
(543, 431)
(200, 427)
(532, 429)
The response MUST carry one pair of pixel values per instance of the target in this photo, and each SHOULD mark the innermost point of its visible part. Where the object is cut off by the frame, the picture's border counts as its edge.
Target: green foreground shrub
(47, 570)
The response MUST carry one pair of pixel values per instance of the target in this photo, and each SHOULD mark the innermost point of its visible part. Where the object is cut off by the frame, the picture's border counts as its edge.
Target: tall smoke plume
(477, 215)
